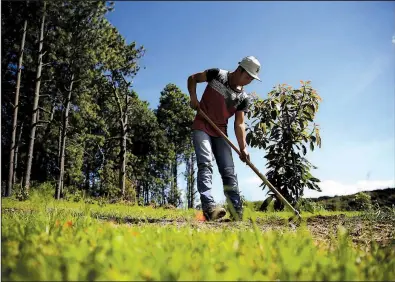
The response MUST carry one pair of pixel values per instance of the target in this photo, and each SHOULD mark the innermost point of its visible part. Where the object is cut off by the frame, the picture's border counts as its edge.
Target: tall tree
(123, 111)
(190, 172)
(11, 174)
(150, 151)
(80, 30)
(34, 119)
(14, 15)
(175, 117)
(121, 64)
(93, 130)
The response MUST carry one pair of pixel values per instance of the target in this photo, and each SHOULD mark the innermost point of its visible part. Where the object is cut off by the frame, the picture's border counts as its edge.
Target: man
(223, 97)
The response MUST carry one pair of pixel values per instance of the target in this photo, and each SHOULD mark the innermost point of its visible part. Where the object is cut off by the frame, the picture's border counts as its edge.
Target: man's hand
(244, 155)
(194, 103)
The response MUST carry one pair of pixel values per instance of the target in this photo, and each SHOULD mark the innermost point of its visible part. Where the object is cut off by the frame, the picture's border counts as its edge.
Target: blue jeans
(207, 147)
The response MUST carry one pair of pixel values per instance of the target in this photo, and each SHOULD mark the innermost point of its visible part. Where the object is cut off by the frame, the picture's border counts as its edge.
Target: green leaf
(273, 114)
(310, 185)
(283, 103)
(311, 146)
(270, 156)
(307, 115)
(313, 179)
(264, 144)
(304, 149)
(301, 123)
(312, 138)
(248, 138)
(263, 127)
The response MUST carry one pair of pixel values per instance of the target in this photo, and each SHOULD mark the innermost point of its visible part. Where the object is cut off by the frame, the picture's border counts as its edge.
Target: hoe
(293, 220)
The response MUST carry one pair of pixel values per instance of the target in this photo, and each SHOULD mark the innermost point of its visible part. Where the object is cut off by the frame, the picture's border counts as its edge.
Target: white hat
(251, 65)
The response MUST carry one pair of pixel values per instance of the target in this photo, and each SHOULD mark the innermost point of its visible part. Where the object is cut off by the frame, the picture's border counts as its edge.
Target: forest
(70, 115)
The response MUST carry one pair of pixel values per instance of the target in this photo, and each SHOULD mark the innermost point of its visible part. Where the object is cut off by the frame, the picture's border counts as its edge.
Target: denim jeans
(207, 147)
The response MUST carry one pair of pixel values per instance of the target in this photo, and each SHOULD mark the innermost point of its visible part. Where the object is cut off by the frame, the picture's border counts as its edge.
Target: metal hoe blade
(292, 221)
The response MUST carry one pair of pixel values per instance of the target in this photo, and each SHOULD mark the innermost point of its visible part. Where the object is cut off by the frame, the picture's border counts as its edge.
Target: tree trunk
(123, 120)
(101, 187)
(35, 105)
(143, 202)
(60, 140)
(59, 189)
(163, 195)
(173, 198)
(93, 184)
(170, 173)
(175, 190)
(146, 196)
(138, 185)
(48, 127)
(191, 192)
(188, 178)
(188, 191)
(11, 172)
(16, 153)
(87, 172)
(193, 180)
(122, 168)
(170, 194)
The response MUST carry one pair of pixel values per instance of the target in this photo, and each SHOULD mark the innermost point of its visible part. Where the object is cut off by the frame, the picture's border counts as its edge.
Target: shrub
(284, 127)
(362, 201)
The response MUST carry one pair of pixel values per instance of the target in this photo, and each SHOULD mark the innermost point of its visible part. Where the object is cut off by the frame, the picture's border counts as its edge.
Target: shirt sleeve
(244, 105)
(212, 73)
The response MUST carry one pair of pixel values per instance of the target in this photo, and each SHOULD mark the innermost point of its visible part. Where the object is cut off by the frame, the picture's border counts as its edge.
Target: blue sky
(344, 48)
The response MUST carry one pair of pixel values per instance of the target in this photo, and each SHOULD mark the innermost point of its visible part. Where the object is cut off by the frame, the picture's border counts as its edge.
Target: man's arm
(241, 135)
(193, 80)
(204, 76)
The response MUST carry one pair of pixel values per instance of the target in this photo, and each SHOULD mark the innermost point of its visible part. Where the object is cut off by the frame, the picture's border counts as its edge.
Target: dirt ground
(362, 231)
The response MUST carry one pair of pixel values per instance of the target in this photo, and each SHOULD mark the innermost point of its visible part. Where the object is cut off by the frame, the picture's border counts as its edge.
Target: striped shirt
(219, 102)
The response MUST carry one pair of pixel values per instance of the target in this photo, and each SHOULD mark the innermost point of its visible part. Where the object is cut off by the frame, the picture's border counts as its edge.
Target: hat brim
(253, 75)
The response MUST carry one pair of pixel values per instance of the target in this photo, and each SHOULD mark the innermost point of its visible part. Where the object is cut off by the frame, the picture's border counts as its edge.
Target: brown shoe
(214, 213)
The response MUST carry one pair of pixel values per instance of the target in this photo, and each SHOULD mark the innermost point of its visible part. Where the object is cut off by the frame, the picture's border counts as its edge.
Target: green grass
(117, 211)
(120, 212)
(61, 244)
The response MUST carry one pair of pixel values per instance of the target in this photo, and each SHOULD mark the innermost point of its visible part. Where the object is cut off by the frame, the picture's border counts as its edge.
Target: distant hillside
(383, 197)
